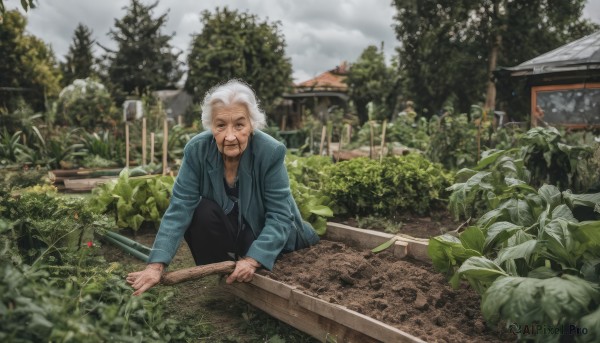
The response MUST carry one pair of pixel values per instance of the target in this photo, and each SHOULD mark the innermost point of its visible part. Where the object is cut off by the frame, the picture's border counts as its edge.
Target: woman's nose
(229, 136)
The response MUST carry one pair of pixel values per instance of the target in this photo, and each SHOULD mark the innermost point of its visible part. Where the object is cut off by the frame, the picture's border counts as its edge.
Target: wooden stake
(144, 141)
(323, 133)
(382, 140)
(194, 273)
(340, 145)
(126, 145)
(165, 146)
(180, 120)
(151, 147)
(329, 134)
(371, 146)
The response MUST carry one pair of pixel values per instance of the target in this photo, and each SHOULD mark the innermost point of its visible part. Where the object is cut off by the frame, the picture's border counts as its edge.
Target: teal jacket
(265, 200)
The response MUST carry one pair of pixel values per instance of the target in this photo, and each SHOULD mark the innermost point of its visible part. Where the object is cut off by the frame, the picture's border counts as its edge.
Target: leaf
(588, 200)
(491, 217)
(473, 238)
(321, 210)
(551, 195)
(498, 233)
(490, 158)
(440, 251)
(558, 300)
(385, 245)
(523, 250)
(480, 272)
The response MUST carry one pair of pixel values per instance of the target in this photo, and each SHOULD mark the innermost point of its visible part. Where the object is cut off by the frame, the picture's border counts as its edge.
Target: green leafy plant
(134, 200)
(305, 182)
(407, 183)
(535, 258)
(78, 298)
(453, 140)
(85, 103)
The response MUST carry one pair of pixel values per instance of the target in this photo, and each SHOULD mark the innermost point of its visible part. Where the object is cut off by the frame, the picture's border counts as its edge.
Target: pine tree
(238, 45)
(79, 61)
(144, 59)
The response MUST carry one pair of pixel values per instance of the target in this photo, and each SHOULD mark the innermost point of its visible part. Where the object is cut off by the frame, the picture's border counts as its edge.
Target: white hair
(233, 92)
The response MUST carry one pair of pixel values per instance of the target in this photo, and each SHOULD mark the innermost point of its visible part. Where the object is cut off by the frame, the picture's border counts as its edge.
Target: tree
(28, 68)
(79, 61)
(238, 45)
(26, 4)
(370, 81)
(144, 59)
(449, 48)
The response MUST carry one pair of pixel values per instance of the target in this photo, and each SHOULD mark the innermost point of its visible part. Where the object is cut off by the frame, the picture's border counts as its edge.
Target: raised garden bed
(340, 291)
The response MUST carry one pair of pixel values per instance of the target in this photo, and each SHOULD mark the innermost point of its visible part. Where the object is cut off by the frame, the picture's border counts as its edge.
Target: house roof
(331, 80)
(582, 54)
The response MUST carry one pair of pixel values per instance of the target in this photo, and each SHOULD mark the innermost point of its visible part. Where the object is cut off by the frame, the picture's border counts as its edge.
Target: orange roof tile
(331, 80)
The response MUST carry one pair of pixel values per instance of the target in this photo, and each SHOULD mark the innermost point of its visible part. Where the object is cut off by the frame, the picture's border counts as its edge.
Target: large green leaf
(473, 238)
(498, 233)
(447, 252)
(523, 250)
(520, 212)
(321, 210)
(551, 195)
(480, 272)
(556, 300)
(588, 200)
(491, 217)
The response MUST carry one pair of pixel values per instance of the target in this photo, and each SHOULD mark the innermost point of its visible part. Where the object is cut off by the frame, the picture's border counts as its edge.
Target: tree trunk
(490, 98)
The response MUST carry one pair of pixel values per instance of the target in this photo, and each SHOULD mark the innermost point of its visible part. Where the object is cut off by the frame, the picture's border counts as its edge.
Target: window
(575, 105)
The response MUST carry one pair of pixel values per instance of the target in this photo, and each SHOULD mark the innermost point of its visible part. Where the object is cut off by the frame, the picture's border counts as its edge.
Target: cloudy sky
(320, 34)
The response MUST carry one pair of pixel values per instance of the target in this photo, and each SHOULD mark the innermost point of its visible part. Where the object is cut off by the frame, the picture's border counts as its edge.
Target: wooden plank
(369, 239)
(316, 317)
(84, 184)
(363, 239)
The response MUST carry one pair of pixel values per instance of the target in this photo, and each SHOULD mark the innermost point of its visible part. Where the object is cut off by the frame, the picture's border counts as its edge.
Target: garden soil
(406, 294)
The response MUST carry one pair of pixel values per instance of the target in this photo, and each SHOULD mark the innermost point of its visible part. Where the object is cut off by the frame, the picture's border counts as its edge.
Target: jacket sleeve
(186, 197)
(278, 214)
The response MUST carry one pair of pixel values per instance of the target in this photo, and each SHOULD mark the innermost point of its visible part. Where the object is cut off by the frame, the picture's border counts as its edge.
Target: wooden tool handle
(194, 273)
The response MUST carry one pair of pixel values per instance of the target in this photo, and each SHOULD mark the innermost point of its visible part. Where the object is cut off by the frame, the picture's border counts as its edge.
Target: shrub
(85, 103)
(406, 183)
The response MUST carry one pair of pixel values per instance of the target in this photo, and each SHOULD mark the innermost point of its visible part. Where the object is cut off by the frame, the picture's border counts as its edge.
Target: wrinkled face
(231, 128)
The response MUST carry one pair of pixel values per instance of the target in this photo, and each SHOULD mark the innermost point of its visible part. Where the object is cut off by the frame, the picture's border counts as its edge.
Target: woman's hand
(244, 270)
(142, 281)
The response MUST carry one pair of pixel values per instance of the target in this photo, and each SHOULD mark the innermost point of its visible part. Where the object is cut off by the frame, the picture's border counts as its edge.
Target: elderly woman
(231, 199)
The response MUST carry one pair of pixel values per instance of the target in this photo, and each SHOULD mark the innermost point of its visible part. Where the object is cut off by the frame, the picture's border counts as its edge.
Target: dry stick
(151, 147)
(323, 132)
(194, 273)
(329, 133)
(179, 120)
(126, 145)
(371, 146)
(340, 146)
(143, 141)
(165, 145)
(382, 140)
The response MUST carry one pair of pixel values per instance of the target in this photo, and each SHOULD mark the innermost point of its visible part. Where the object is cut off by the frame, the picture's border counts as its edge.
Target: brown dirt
(427, 226)
(407, 294)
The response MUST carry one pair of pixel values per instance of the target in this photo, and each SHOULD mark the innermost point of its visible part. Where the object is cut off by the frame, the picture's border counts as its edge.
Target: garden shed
(564, 83)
